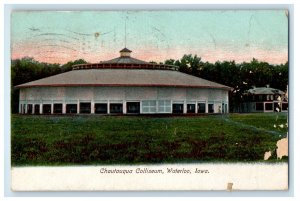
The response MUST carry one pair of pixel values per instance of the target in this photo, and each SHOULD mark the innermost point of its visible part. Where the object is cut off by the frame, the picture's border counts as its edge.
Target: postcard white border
(6, 77)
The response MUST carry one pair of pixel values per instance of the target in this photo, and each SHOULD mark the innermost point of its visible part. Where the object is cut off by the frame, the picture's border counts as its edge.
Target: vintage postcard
(149, 100)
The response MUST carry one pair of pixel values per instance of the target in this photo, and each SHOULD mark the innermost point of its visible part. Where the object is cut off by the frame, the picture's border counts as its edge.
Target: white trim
(116, 101)
(92, 107)
(184, 107)
(52, 108)
(124, 107)
(178, 101)
(71, 101)
(100, 101)
(64, 109)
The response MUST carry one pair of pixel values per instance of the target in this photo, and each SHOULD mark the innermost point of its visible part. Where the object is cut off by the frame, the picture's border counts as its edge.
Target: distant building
(123, 85)
(265, 99)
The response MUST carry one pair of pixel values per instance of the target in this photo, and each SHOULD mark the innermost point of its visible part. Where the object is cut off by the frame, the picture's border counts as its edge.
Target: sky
(213, 35)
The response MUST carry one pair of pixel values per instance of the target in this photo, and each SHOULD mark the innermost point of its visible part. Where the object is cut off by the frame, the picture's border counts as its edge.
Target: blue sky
(241, 35)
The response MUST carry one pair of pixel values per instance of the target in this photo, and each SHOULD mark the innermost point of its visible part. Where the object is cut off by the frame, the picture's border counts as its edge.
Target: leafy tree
(27, 69)
(240, 77)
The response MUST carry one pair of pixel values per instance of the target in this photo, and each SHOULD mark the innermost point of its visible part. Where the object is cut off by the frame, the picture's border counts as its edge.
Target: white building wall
(140, 93)
(50, 95)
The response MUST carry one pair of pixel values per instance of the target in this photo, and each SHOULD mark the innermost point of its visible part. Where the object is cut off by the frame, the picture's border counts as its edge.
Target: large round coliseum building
(123, 85)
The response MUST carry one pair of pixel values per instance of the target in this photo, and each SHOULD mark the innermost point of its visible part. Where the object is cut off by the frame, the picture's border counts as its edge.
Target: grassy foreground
(84, 139)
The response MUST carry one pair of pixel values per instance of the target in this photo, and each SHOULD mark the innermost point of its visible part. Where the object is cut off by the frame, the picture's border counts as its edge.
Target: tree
(27, 69)
(68, 66)
(188, 64)
(240, 77)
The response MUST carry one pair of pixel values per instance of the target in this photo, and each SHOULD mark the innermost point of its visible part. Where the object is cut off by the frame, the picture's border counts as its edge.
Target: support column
(184, 107)
(124, 107)
(33, 108)
(206, 106)
(64, 105)
(52, 107)
(41, 108)
(108, 107)
(92, 107)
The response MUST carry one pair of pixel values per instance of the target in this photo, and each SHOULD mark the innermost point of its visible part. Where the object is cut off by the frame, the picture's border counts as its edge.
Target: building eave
(122, 85)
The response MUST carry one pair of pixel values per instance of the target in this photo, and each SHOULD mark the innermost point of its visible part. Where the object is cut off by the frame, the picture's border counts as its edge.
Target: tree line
(27, 69)
(239, 76)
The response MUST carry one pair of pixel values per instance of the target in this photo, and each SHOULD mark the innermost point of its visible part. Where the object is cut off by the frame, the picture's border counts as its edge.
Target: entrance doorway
(191, 108)
(37, 109)
(133, 107)
(85, 108)
(116, 108)
(178, 108)
(71, 108)
(100, 108)
(46, 108)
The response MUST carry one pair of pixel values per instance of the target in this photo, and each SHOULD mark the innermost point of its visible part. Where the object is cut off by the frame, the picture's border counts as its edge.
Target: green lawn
(93, 139)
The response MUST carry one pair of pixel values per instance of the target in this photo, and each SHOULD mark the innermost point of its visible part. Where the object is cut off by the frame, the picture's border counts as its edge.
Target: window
(133, 107)
(191, 108)
(201, 107)
(85, 108)
(177, 108)
(164, 106)
(269, 106)
(271, 97)
(57, 108)
(116, 108)
(260, 97)
(46, 108)
(149, 106)
(37, 109)
(284, 106)
(71, 108)
(100, 108)
(29, 109)
(259, 106)
(211, 108)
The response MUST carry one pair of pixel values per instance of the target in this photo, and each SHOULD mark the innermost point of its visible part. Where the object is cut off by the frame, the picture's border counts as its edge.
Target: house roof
(124, 60)
(125, 50)
(124, 77)
(265, 91)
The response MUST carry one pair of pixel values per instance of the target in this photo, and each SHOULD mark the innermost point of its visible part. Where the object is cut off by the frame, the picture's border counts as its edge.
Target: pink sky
(50, 55)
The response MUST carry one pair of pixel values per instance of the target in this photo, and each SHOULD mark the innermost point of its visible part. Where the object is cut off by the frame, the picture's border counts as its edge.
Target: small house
(265, 99)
